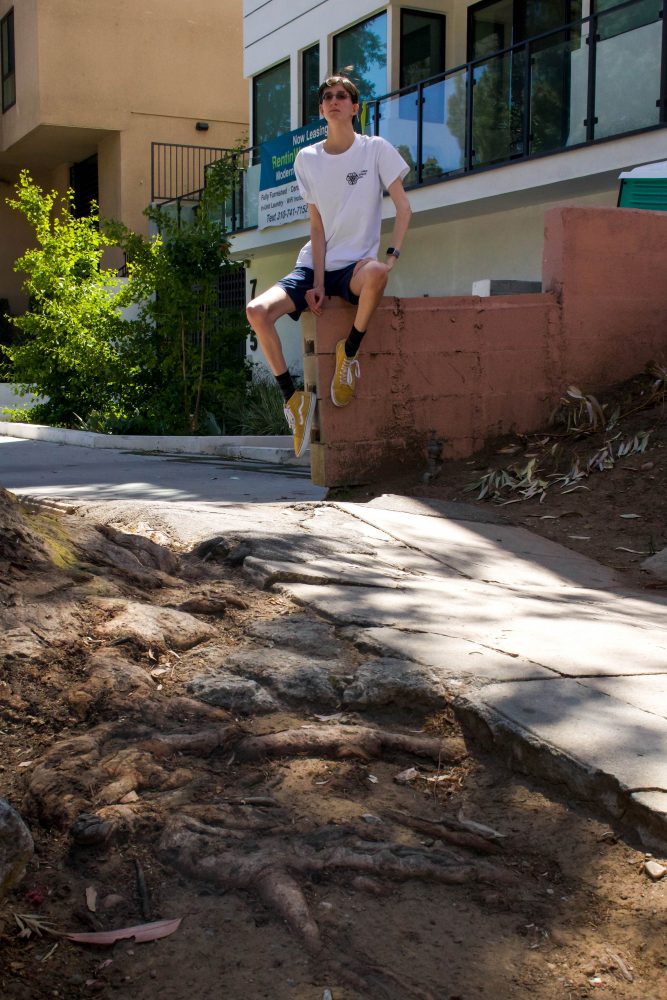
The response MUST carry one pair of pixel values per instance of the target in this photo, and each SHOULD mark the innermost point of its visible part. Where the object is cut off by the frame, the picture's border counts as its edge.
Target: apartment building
(503, 108)
(88, 86)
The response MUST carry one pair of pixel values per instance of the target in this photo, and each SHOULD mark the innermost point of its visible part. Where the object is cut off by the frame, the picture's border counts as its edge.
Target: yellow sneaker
(299, 413)
(345, 376)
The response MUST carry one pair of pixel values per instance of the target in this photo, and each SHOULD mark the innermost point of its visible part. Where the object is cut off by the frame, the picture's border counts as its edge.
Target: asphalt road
(58, 471)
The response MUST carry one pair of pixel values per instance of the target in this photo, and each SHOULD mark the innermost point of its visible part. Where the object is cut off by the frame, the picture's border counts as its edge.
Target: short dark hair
(344, 81)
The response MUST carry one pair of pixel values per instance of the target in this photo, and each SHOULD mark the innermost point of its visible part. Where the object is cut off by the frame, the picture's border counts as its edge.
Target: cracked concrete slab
(573, 639)
(298, 632)
(648, 693)
(453, 658)
(438, 508)
(294, 676)
(498, 553)
(227, 690)
(265, 572)
(388, 681)
(608, 737)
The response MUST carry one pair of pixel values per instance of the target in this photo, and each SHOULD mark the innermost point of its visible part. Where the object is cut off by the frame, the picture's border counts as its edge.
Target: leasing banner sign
(279, 198)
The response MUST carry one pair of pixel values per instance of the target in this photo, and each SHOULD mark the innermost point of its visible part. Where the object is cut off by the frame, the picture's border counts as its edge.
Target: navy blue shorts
(300, 281)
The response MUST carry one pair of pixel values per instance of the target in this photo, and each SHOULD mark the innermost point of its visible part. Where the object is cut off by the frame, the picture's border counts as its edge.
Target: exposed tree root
(347, 741)
(447, 829)
(93, 774)
(150, 766)
(96, 773)
(203, 851)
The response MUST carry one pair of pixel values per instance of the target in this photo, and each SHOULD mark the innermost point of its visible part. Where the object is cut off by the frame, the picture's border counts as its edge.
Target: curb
(642, 812)
(523, 751)
(276, 449)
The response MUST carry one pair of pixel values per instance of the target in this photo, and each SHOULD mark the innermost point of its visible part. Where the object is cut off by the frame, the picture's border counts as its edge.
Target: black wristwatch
(393, 252)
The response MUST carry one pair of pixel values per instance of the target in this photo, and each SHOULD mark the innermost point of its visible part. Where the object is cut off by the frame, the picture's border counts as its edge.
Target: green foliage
(171, 368)
(197, 340)
(430, 167)
(5, 327)
(74, 345)
(363, 51)
(255, 408)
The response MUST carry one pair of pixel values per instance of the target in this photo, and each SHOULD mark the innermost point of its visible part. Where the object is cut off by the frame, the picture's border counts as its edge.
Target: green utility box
(644, 187)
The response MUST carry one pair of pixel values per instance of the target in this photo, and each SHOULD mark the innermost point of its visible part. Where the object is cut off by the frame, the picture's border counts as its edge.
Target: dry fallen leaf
(481, 828)
(141, 933)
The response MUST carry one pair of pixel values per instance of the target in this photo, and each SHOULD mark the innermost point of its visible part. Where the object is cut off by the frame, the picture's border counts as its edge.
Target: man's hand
(389, 261)
(315, 299)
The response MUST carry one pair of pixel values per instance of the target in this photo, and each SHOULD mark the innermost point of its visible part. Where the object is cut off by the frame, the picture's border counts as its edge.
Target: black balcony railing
(180, 171)
(595, 79)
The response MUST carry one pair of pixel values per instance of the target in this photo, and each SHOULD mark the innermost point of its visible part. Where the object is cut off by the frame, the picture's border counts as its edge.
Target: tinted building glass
(271, 103)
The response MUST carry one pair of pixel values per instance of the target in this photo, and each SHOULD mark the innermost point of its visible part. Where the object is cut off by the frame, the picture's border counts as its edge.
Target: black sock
(286, 385)
(353, 341)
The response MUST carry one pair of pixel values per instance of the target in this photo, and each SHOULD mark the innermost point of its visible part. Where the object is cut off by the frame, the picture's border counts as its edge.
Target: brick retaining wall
(471, 369)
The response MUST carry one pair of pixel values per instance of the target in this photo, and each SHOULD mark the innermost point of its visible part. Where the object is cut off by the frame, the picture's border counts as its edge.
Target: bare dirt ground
(568, 482)
(300, 867)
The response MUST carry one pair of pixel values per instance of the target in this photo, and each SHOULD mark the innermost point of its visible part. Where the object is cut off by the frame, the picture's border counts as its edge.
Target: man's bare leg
(368, 282)
(263, 313)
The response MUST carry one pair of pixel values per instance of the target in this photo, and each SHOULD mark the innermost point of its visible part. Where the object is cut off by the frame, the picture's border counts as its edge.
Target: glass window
(310, 84)
(497, 24)
(636, 16)
(7, 52)
(271, 103)
(490, 28)
(627, 68)
(500, 100)
(422, 46)
(361, 53)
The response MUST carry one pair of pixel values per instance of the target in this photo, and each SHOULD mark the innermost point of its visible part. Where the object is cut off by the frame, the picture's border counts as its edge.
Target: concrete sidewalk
(547, 659)
(539, 648)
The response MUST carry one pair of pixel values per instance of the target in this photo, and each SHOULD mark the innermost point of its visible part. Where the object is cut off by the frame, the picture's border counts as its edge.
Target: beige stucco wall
(94, 77)
(15, 236)
(180, 60)
(92, 64)
(23, 116)
(445, 258)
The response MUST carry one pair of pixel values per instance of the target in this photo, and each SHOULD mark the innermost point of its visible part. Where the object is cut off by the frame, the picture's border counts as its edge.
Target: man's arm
(403, 215)
(315, 295)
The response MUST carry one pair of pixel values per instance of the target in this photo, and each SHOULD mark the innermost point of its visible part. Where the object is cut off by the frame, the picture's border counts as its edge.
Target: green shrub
(253, 408)
(74, 346)
(168, 371)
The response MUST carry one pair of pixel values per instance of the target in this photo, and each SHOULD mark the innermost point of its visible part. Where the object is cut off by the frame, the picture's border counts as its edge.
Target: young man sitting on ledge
(342, 180)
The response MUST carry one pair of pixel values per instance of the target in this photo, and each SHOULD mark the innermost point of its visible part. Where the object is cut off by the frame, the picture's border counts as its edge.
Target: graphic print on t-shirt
(354, 177)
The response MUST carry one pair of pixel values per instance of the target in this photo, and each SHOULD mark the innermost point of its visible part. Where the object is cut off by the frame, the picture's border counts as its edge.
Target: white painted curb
(277, 449)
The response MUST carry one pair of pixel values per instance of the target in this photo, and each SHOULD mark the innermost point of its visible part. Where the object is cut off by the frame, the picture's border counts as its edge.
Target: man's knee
(376, 274)
(256, 311)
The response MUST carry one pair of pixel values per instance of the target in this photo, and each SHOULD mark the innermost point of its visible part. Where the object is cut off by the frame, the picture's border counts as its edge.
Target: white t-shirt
(347, 188)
